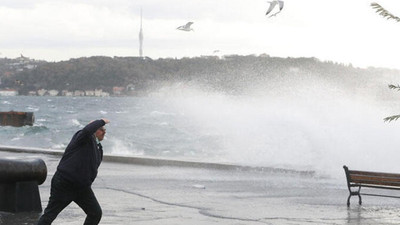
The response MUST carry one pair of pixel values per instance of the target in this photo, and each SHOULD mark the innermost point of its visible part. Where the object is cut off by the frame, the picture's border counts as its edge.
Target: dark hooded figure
(72, 182)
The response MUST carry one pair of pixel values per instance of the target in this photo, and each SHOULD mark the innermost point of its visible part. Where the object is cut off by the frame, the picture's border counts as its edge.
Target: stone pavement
(149, 195)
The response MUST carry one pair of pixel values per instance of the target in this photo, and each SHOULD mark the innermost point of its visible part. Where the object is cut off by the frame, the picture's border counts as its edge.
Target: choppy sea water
(139, 126)
(313, 132)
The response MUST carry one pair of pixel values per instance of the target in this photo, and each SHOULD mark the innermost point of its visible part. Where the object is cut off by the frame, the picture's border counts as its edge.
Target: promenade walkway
(149, 195)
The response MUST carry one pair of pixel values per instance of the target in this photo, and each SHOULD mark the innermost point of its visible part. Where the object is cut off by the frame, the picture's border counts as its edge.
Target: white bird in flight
(185, 27)
(272, 6)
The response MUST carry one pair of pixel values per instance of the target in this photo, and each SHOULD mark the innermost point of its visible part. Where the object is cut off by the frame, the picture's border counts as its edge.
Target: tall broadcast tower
(141, 36)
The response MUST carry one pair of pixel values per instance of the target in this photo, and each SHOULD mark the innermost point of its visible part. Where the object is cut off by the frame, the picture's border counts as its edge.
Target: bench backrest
(357, 177)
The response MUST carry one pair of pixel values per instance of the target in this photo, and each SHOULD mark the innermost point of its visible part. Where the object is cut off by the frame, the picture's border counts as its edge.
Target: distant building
(130, 89)
(67, 93)
(100, 93)
(32, 93)
(53, 92)
(105, 94)
(79, 93)
(118, 90)
(89, 93)
(8, 92)
(41, 92)
(30, 66)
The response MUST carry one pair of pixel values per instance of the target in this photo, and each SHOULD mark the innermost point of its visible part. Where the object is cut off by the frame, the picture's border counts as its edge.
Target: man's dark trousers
(63, 193)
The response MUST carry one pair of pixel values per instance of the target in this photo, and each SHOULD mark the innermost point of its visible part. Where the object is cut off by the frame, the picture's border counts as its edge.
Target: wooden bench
(357, 179)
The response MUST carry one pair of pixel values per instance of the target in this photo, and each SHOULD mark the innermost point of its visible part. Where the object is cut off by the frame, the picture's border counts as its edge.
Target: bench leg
(354, 193)
(359, 196)
(348, 200)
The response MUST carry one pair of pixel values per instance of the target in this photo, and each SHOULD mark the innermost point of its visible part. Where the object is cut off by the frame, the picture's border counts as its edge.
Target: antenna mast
(141, 36)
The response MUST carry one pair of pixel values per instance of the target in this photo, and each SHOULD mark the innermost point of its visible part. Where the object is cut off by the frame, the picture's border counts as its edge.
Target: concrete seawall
(151, 161)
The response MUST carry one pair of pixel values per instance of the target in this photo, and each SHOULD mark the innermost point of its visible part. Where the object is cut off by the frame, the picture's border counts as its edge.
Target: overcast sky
(337, 30)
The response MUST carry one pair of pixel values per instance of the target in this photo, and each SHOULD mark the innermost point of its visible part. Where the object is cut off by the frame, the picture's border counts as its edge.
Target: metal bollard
(19, 180)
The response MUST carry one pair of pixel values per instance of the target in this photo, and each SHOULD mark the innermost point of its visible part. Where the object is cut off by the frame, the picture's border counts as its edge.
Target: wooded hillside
(231, 74)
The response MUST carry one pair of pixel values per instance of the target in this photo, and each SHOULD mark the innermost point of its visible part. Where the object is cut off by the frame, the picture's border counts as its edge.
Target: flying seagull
(272, 6)
(185, 27)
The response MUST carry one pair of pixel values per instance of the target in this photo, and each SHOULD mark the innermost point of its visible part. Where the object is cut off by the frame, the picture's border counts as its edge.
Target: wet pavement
(149, 195)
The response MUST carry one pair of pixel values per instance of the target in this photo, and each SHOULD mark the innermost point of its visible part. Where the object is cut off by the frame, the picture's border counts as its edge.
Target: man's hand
(105, 120)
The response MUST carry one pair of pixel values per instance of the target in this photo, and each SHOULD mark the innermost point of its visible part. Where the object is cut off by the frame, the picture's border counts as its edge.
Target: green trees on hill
(231, 74)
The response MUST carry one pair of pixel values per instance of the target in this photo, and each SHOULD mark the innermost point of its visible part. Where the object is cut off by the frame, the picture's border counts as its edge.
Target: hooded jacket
(82, 157)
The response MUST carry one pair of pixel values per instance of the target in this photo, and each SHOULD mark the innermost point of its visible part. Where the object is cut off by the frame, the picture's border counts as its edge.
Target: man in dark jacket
(76, 173)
